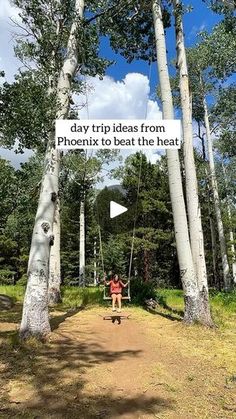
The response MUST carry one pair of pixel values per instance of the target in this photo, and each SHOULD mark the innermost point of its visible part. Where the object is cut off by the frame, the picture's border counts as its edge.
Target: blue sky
(200, 18)
(120, 74)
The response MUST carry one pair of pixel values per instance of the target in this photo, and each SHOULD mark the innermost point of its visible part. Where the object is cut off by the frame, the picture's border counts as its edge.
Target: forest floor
(149, 366)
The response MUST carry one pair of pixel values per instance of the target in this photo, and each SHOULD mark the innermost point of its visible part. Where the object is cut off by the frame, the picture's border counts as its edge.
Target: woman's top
(116, 286)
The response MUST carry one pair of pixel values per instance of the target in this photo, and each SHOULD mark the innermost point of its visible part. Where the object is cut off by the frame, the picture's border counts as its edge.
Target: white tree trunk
(70, 64)
(95, 262)
(231, 234)
(35, 311)
(193, 205)
(213, 248)
(35, 319)
(187, 272)
(216, 199)
(82, 246)
(54, 294)
(231, 237)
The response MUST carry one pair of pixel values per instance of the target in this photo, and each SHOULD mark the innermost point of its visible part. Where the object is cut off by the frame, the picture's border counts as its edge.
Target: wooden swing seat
(123, 298)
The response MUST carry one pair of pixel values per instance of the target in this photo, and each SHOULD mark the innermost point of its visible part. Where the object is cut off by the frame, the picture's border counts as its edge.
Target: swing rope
(138, 190)
(135, 218)
(136, 206)
(100, 245)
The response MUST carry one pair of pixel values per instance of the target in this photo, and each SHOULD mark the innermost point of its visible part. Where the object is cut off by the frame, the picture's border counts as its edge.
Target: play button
(116, 209)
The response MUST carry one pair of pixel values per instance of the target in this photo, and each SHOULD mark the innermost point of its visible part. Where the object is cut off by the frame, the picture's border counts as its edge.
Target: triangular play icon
(116, 209)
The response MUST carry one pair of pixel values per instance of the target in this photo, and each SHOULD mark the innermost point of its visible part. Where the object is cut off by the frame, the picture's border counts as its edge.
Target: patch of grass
(172, 298)
(224, 300)
(11, 316)
(14, 346)
(16, 292)
(223, 305)
(231, 379)
(74, 297)
(220, 300)
(171, 388)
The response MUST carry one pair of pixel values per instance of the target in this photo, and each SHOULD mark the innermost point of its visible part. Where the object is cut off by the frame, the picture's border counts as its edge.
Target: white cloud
(8, 10)
(110, 99)
(196, 29)
(125, 99)
(9, 63)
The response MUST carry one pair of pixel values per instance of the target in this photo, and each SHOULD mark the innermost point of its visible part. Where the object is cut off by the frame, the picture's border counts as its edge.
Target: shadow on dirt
(57, 320)
(49, 379)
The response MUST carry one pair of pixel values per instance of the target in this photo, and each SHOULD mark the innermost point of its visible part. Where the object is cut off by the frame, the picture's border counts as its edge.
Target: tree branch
(103, 12)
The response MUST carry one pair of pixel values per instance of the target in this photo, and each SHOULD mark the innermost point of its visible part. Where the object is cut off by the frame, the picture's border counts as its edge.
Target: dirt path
(147, 367)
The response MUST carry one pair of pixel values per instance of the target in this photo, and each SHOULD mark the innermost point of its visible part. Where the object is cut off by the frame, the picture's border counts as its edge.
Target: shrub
(23, 280)
(141, 290)
(7, 277)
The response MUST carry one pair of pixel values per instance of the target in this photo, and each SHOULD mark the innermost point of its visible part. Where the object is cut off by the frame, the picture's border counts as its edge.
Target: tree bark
(231, 234)
(216, 199)
(231, 237)
(193, 205)
(82, 246)
(187, 271)
(35, 320)
(213, 249)
(54, 294)
(216, 277)
(95, 262)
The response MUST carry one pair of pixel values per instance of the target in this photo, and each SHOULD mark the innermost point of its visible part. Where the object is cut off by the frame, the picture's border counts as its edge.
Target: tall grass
(225, 300)
(222, 304)
(74, 297)
(172, 298)
(221, 300)
(16, 292)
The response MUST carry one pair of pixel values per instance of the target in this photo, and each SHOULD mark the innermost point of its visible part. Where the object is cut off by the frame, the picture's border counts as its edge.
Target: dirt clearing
(146, 367)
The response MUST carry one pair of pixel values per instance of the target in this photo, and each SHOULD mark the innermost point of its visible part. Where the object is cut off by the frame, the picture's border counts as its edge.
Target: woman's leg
(113, 297)
(116, 299)
(119, 297)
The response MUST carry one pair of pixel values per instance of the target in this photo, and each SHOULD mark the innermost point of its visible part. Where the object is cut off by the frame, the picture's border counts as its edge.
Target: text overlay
(95, 134)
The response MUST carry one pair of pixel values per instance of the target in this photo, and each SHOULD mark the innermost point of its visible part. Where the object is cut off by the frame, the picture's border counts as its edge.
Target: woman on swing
(116, 286)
